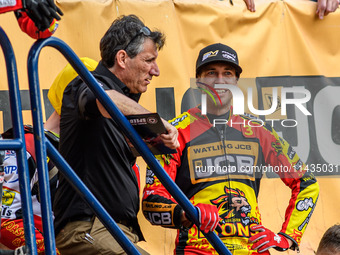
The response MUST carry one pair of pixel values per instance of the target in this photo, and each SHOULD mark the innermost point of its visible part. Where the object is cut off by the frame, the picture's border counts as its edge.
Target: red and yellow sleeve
(294, 173)
(27, 25)
(158, 205)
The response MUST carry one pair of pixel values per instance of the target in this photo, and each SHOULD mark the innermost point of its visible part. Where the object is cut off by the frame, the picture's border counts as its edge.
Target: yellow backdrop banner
(282, 45)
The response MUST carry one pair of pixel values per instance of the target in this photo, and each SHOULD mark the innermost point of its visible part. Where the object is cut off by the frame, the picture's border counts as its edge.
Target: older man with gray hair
(94, 146)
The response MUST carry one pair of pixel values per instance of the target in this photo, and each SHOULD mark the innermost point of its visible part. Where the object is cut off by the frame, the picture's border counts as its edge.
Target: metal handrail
(41, 143)
(18, 142)
(128, 130)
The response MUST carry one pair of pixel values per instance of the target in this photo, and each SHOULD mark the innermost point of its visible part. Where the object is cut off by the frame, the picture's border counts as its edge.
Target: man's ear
(121, 57)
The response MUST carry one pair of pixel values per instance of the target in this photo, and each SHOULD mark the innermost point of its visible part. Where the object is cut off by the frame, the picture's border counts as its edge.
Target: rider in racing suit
(222, 167)
(12, 225)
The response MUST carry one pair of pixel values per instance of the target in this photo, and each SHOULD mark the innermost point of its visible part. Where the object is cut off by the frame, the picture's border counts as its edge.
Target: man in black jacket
(93, 144)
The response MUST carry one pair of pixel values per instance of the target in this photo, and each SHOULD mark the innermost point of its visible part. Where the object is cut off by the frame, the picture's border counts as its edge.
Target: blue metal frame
(86, 194)
(18, 143)
(41, 142)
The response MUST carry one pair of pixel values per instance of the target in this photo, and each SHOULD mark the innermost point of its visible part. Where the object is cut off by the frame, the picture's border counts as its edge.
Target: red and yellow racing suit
(12, 225)
(223, 166)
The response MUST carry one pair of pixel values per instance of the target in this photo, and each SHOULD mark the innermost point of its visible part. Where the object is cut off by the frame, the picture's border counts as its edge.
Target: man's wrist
(293, 245)
(185, 221)
(177, 216)
(290, 242)
(186, 224)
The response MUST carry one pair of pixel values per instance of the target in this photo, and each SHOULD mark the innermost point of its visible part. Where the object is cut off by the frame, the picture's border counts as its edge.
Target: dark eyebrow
(227, 68)
(209, 69)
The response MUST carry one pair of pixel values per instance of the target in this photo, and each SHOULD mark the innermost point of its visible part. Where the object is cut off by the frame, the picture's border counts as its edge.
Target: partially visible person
(37, 18)
(27, 25)
(323, 7)
(95, 147)
(330, 242)
(11, 208)
(56, 91)
(219, 166)
(2, 179)
(12, 225)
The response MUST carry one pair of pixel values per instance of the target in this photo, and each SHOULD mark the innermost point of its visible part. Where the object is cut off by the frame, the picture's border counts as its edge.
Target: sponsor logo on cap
(210, 54)
(229, 55)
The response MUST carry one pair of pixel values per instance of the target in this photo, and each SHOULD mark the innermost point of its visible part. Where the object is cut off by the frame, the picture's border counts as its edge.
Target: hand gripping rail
(41, 142)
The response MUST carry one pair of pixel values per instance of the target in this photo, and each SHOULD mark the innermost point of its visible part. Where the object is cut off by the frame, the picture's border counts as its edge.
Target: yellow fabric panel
(280, 38)
(56, 91)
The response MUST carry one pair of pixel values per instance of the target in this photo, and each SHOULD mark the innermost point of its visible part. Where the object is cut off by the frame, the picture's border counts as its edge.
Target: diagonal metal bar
(86, 194)
(128, 131)
(40, 148)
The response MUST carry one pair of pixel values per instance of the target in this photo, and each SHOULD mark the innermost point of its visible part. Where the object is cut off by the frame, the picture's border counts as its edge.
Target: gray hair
(119, 36)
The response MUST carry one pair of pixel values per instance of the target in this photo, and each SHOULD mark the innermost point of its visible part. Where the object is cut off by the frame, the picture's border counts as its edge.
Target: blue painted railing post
(18, 143)
(40, 146)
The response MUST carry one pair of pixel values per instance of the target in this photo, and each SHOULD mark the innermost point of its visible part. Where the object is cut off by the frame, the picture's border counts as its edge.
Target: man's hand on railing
(208, 217)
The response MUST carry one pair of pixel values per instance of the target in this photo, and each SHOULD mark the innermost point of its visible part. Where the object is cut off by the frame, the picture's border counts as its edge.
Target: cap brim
(238, 69)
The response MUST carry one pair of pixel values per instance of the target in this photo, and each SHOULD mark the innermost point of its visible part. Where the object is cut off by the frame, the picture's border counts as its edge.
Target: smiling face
(140, 69)
(218, 73)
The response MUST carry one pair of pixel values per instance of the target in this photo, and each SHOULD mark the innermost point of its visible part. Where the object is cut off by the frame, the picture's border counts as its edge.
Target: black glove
(42, 12)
